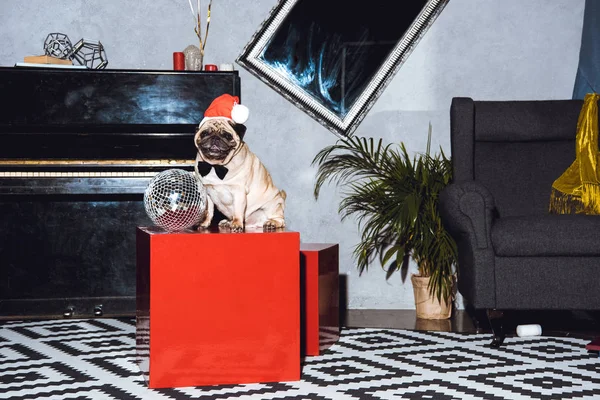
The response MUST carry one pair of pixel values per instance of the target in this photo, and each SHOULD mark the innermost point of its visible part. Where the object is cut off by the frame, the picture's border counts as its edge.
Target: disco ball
(175, 199)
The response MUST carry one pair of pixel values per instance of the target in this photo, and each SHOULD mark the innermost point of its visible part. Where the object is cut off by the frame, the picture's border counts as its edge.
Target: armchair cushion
(547, 235)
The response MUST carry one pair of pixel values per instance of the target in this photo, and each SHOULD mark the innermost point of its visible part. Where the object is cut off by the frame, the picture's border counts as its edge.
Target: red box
(217, 308)
(594, 345)
(319, 266)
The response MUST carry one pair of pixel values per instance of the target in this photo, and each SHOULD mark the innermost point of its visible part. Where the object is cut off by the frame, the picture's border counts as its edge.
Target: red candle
(178, 61)
(210, 67)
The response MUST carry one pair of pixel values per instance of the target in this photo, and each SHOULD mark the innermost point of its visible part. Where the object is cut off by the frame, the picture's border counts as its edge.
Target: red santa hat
(226, 106)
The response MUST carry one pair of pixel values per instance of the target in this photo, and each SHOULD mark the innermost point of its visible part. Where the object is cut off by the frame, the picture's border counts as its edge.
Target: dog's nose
(215, 139)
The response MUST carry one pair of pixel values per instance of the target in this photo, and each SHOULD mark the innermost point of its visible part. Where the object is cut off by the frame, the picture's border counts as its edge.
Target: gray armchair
(512, 253)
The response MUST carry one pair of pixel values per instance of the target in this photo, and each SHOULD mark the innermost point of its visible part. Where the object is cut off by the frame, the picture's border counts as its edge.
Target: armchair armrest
(468, 210)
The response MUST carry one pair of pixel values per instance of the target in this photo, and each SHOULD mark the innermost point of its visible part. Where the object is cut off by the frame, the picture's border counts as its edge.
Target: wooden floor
(580, 324)
(407, 319)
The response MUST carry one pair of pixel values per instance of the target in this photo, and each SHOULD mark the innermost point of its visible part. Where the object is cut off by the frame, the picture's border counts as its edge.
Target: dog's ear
(240, 129)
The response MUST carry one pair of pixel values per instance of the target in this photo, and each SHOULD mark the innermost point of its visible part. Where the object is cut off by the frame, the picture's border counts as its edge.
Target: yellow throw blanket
(577, 190)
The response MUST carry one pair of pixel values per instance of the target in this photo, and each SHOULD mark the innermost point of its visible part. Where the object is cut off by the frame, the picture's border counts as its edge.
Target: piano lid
(116, 114)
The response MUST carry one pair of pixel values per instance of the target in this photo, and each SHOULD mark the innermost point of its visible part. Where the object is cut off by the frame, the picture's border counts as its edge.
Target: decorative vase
(428, 307)
(440, 325)
(193, 58)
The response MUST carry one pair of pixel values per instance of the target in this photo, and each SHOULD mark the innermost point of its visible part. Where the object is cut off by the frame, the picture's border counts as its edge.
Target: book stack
(47, 61)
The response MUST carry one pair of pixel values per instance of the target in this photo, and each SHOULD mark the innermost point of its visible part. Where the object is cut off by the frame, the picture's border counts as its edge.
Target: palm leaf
(394, 198)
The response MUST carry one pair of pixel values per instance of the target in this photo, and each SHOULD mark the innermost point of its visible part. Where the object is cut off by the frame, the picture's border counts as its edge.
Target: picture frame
(333, 58)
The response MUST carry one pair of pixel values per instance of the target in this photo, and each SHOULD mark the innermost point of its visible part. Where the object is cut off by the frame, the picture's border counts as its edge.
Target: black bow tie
(204, 168)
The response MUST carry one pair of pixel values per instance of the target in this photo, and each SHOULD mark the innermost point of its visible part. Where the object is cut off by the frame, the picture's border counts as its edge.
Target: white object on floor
(529, 330)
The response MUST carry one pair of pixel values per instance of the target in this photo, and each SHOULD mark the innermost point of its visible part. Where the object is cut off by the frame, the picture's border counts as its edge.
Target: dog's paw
(203, 225)
(232, 226)
(272, 225)
(236, 226)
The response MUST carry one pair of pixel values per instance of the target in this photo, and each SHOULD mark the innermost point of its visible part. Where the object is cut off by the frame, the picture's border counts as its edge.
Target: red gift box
(217, 308)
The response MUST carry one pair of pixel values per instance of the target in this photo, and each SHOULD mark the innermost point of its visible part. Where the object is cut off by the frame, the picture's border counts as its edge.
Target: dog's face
(218, 139)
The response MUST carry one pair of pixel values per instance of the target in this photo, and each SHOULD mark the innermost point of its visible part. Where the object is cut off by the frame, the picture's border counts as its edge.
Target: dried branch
(198, 23)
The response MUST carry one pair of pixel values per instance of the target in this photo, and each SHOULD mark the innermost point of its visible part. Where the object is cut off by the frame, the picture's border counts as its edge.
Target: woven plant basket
(428, 307)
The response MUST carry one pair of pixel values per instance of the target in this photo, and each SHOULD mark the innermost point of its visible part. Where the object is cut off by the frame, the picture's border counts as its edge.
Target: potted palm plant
(395, 199)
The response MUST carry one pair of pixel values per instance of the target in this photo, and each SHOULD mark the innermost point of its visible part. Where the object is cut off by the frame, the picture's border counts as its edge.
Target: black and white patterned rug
(95, 359)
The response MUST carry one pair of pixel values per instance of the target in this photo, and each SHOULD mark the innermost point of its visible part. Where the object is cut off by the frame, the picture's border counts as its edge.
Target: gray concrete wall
(485, 49)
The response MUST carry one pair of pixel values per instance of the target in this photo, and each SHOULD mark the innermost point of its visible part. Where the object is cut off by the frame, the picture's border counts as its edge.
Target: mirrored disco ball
(175, 199)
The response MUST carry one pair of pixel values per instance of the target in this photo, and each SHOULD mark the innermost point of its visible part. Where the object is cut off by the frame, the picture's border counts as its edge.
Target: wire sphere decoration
(90, 53)
(175, 199)
(58, 45)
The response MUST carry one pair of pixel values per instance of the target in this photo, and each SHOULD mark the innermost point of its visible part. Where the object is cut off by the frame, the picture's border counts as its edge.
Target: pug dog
(236, 181)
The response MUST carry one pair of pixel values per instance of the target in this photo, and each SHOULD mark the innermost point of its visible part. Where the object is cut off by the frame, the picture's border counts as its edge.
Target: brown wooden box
(46, 60)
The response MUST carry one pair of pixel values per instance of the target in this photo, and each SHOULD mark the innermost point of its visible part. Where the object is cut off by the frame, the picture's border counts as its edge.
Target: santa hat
(226, 106)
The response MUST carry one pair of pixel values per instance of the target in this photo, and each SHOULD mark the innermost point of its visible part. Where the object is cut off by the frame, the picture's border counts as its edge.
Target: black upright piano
(77, 150)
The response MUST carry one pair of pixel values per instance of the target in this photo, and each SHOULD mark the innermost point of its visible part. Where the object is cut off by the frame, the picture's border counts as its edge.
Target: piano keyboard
(53, 174)
(88, 168)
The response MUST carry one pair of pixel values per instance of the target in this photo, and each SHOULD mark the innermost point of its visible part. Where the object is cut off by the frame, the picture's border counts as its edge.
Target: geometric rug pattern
(95, 359)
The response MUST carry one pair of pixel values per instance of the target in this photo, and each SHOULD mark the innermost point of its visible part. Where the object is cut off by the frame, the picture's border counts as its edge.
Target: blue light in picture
(332, 49)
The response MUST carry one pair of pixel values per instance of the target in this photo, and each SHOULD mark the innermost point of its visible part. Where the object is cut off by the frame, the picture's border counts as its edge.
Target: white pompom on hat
(227, 106)
(240, 113)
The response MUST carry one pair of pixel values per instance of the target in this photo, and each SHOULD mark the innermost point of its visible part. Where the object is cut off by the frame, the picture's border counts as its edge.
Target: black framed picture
(333, 58)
